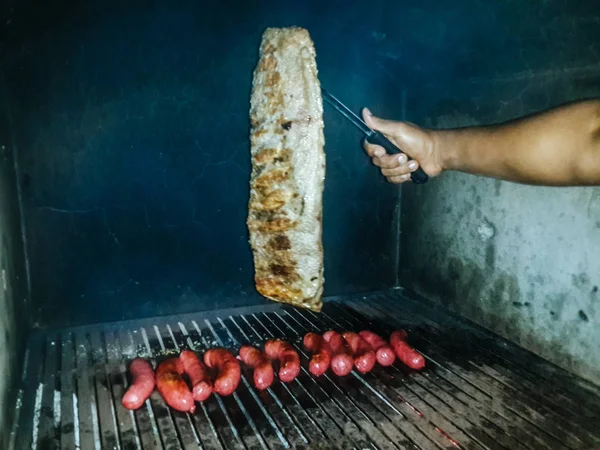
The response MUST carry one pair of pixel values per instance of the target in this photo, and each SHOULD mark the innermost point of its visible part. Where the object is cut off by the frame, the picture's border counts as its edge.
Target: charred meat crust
(288, 167)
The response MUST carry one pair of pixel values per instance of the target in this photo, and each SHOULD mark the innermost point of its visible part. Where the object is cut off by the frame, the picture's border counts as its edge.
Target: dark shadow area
(131, 121)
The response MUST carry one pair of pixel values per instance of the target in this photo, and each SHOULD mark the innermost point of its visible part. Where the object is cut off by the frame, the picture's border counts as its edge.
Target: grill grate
(478, 391)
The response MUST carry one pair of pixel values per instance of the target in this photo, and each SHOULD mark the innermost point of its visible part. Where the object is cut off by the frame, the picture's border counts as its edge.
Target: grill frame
(478, 391)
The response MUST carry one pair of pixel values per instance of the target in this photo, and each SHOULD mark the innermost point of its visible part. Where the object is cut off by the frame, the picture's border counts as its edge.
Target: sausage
(383, 352)
(142, 384)
(364, 356)
(198, 374)
(228, 370)
(289, 361)
(321, 358)
(172, 386)
(258, 361)
(405, 352)
(341, 361)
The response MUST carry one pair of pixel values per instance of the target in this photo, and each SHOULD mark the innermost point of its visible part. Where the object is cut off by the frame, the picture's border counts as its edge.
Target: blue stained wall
(131, 121)
(132, 141)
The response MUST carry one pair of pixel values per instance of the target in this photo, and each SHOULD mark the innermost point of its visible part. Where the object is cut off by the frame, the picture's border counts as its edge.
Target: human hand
(416, 142)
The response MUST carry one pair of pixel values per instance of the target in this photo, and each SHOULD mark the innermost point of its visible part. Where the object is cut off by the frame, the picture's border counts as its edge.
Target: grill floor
(477, 392)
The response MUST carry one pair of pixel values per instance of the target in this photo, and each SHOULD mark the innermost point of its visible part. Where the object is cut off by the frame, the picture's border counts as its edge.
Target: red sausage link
(341, 361)
(321, 358)
(258, 361)
(142, 384)
(289, 361)
(383, 352)
(227, 367)
(405, 352)
(364, 356)
(198, 373)
(172, 387)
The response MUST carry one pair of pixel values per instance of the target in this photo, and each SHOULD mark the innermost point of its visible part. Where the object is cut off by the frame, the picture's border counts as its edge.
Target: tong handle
(375, 137)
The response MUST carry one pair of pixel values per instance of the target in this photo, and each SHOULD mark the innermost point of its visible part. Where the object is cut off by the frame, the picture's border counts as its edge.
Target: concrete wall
(13, 286)
(522, 261)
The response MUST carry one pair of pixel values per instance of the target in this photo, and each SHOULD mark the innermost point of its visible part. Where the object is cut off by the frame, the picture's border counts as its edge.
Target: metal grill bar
(497, 408)
(404, 408)
(477, 392)
(321, 420)
(378, 410)
(318, 395)
(451, 413)
(513, 371)
(470, 400)
(523, 403)
(562, 427)
(362, 414)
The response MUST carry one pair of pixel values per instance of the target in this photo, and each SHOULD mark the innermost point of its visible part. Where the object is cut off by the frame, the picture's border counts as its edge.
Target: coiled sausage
(341, 361)
(289, 361)
(227, 368)
(260, 364)
(198, 373)
(321, 358)
(364, 356)
(172, 386)
(383, 352)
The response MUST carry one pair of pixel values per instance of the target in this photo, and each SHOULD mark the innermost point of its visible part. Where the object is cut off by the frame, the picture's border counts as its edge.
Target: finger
(399, 179)
(400, 170)
(390, 161)
(397, 171)
(375, 123)
(373, 150)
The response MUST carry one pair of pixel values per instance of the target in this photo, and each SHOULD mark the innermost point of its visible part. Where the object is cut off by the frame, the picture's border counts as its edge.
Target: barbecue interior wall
(14, 298)
(131, 120)
(130, 133)
(521, 260)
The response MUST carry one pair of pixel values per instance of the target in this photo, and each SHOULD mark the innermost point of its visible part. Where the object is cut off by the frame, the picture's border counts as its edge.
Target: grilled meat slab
(288, 170)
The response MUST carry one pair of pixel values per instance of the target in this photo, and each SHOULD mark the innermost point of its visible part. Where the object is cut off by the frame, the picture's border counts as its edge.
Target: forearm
(557, 147)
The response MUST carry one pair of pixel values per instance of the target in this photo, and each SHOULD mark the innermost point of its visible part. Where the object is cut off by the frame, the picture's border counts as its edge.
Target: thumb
(388, 127)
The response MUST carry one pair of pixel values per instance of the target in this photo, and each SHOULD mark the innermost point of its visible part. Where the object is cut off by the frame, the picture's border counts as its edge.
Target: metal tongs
(372, 136)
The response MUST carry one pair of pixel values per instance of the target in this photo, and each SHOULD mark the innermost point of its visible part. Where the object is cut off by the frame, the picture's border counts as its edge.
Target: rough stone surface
(520, 260)
(13, 291)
